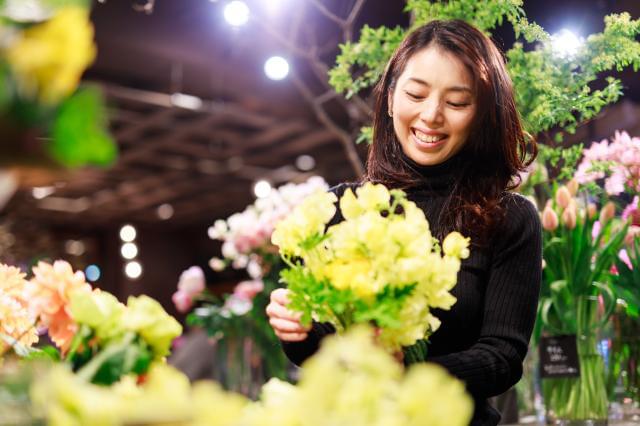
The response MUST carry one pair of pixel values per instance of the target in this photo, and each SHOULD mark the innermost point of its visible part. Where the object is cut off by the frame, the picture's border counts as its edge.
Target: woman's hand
(285, 324)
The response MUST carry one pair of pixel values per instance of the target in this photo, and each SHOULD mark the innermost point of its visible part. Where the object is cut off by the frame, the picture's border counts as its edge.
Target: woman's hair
(496, 149)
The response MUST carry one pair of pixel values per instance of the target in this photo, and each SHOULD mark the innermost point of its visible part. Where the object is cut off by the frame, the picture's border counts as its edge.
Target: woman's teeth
(423, 137)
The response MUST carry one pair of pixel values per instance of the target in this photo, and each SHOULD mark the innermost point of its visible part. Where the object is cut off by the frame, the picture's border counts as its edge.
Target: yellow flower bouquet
(380, 265)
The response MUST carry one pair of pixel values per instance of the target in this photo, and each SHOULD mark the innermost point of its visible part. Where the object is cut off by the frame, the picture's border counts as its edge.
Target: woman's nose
(431, 112)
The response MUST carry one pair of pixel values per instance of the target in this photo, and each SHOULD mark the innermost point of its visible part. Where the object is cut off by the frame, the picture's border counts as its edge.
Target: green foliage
(565, 159)
(366, 135)
(342, 308)
(366, 58)
(626, 283)
(80, 133)
(577, 265)
(484, 14)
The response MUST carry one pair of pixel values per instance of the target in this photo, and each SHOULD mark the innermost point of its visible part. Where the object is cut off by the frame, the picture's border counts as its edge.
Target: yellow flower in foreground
(448, 402)
(352, 381)
(456, 245)
(49, 294)
(15, 320)
(48, 59)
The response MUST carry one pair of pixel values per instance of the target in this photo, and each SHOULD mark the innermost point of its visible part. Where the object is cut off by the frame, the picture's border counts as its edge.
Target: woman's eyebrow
(448, 89)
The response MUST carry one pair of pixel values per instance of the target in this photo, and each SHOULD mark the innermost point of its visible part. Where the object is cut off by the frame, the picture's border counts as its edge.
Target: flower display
(381, 264)
(99, 337)
(49, 292)
(618, 162)
(16, 323)
(246, 236)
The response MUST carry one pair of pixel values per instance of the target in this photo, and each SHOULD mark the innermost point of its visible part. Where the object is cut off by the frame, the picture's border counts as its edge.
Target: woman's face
(433, 106)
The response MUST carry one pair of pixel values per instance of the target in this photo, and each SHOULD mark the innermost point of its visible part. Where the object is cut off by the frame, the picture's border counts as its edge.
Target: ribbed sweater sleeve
(494, 363)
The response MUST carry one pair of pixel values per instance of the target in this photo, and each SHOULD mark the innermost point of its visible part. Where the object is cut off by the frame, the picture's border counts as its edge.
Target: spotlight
(276, 68)
(133, 270)
(236, 13)
(128, 233)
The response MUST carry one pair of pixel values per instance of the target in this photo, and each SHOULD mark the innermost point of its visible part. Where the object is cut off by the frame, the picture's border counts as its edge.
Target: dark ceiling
(203, 163)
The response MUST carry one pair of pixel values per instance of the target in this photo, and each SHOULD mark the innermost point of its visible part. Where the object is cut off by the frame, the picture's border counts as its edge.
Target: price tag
(559, 356)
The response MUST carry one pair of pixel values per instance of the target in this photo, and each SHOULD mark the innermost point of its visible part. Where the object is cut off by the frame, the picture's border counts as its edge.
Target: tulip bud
(591, 210)
(633, 234)
(549, 219)
(572, 186)
(569, 216)
(607, 213)
(563, 197)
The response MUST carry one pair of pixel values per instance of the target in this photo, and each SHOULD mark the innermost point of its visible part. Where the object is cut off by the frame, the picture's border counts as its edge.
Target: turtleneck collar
(439, 177)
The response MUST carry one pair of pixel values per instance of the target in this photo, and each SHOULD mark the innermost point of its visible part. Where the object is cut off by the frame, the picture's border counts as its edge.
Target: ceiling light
(133, 270)
(276, 68)
(128, 233)
(129, 250)
(565, 43)
(236, 13)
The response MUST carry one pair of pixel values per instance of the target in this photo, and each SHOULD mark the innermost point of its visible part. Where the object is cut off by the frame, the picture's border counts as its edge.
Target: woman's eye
(458, 105)
(414, 96)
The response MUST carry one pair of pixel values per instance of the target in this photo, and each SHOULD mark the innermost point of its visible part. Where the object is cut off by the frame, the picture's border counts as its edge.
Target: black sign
(559, 357)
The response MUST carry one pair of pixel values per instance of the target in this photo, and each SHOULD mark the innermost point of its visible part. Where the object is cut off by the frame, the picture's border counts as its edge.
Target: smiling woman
(433, 106)
(446, 130)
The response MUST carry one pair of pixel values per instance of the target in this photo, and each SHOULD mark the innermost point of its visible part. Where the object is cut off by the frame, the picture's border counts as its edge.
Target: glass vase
(574, 401)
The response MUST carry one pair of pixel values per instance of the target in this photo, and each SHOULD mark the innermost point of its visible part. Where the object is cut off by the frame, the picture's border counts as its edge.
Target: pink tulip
(563, 197)
(607, 213)
(569, 216)
(549, 219)
(633, 234)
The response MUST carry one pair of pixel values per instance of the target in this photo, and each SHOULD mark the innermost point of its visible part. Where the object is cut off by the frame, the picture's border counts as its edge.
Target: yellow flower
(212, 406)
(456, 245)
(373, 197)
(99, 310)
(147, 317)
(309, 218)
(48, 59)
(430, 396)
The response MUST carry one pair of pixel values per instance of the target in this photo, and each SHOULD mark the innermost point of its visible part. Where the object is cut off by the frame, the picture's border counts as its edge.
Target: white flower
(238, 306)
(216, 264)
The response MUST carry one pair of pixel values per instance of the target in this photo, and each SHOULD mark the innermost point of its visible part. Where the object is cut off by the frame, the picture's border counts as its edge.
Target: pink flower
(192, 281)
(632, 211)
(49, 293)
(624, 256)
(182, 300)
(614, 185)
(248, 289)
(595, 231)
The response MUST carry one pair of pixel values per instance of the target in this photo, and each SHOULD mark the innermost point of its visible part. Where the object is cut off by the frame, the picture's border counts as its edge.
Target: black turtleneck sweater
(484, 338)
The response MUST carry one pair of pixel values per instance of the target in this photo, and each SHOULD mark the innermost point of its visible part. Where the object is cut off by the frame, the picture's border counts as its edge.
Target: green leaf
(80, 135)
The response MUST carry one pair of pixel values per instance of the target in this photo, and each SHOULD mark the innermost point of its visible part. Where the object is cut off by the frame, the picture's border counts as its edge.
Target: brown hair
(496, 150)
